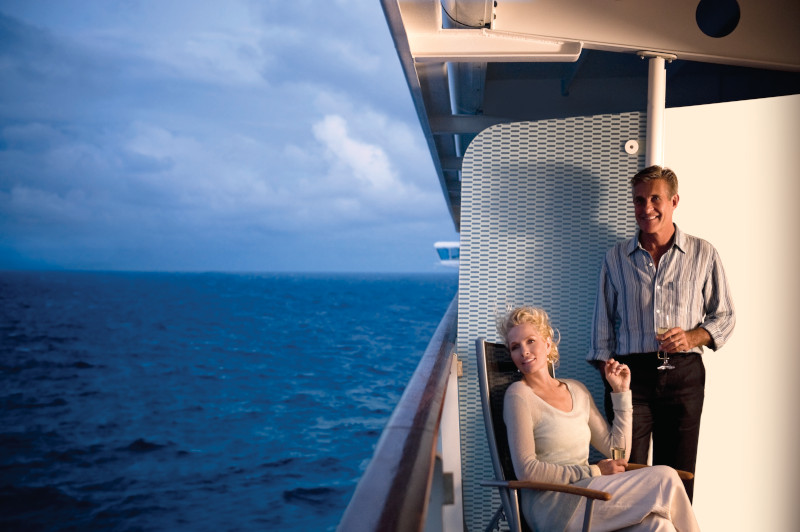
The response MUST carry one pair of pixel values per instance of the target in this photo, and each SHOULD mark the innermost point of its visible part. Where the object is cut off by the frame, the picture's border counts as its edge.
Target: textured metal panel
(541, 203)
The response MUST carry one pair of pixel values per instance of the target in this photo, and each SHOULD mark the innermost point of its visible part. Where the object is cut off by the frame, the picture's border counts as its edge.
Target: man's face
(653, 207)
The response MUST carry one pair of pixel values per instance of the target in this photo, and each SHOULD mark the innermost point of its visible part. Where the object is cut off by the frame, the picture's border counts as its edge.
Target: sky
(189, 135)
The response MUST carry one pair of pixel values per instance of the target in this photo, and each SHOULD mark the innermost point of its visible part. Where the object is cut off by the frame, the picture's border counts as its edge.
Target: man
(661, 275)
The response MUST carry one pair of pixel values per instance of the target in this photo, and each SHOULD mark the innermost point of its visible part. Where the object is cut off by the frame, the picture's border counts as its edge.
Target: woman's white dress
(550, 445)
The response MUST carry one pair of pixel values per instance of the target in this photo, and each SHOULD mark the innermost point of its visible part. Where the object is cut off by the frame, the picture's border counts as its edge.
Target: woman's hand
(611, 467)
(618, 376)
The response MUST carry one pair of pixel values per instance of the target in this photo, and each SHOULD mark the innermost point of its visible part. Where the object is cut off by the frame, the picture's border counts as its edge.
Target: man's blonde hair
(652, 173)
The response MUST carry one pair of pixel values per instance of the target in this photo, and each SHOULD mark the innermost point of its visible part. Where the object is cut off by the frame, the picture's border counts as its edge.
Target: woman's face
(528, 348)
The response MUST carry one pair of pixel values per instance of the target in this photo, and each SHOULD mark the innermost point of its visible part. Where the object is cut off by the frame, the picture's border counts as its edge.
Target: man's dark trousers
(667, 403)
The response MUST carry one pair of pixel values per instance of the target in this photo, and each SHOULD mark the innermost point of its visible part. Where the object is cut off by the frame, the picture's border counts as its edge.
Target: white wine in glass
(618, 447)
(663, 356)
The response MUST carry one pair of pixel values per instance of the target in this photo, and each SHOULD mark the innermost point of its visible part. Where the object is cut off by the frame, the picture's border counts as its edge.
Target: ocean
(200, 401)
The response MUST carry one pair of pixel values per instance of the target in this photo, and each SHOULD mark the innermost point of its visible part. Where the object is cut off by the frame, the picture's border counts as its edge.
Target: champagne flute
(663, 356)
(618, 446)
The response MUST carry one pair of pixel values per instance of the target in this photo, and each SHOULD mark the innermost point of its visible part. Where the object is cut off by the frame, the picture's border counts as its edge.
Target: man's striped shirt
(689, 288)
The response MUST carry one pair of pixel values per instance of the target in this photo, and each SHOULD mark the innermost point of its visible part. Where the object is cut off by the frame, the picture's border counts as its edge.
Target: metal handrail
(393, 492)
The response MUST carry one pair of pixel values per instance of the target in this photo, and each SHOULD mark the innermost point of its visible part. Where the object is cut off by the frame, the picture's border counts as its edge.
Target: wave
(140, 445)
(19, 401)
(317, 498)
(38, 508)
(31, 364)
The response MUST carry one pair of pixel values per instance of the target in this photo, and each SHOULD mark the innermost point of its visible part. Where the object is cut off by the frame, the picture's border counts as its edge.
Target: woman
(550, 424)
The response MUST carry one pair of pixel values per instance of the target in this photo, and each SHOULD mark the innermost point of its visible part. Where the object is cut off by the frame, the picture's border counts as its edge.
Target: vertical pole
(656, 101)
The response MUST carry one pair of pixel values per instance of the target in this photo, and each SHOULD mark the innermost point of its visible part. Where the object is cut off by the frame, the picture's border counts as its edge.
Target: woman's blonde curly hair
(534, 316)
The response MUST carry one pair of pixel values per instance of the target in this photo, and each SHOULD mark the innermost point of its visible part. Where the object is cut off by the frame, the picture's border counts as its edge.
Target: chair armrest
(684, 475)
(547, 486)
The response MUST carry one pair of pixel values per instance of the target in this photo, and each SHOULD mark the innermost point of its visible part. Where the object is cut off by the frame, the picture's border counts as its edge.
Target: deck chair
(496, 371)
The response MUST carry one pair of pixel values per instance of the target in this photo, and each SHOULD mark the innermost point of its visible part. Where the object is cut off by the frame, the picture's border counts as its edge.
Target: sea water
(200, 402)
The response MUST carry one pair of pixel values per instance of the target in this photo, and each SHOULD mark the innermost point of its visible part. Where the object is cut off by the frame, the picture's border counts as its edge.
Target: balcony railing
(394, 491)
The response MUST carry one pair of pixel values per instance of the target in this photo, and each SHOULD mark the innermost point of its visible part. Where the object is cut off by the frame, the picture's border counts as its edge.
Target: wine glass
(662, 326)
(618, 446)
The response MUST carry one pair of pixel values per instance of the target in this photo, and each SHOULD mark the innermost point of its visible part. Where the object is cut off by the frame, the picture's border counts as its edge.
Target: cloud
(161, 136)
(365, 171)
(367, 163)
(31, 137)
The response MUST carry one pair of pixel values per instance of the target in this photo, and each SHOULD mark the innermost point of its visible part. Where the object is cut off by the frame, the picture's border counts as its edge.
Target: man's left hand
(676, 340)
